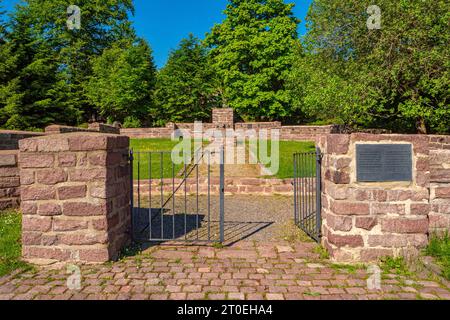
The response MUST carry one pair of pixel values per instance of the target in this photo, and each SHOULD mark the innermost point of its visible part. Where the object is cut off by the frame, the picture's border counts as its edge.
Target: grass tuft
(10, 243)
(439, 248)
(396, 266)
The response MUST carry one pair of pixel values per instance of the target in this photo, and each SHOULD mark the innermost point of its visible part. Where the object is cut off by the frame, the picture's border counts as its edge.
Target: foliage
(439, 248)
(396, 77)
(132, 122)
(10, 246)
(396, 265)
(340, 72)
(252, 52)
(186, 89)
(122, 82)
(48, 65)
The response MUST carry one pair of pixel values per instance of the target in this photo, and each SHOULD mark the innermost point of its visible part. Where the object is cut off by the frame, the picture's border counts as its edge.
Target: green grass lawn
(439, 248)
(10, 243)
(142, 163)
(287, 151)
(149, 154)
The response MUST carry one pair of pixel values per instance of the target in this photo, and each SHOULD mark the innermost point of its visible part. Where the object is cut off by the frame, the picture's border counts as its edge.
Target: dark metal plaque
(384, 162)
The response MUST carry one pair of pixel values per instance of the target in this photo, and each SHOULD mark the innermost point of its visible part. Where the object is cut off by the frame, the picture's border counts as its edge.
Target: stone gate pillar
(75, 197)
(365, 221)
(223, 118)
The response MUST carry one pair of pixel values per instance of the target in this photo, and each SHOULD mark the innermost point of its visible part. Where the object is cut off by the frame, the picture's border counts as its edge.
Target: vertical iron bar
(162, 195)
(209, 196)
(222, 194)
(310, 209)
(173, 201)
(150, 194)
(132, 195)
(295, 189)
(303, 191)
(185, 199)
(139, 182)
(197, 219)
(319, 193)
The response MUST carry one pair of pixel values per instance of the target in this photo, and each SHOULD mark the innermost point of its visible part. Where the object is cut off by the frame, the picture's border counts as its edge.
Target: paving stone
(276, 270)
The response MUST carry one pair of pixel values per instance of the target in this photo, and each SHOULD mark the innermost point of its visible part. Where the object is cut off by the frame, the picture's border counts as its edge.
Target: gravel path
(258, 218)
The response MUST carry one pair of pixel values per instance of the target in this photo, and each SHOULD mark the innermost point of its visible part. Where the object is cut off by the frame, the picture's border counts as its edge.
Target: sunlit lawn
(287, 151)
(10, 243)
(154, 155)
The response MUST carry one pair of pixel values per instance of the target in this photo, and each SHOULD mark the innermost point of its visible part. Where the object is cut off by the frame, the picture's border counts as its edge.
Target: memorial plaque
(384, 162)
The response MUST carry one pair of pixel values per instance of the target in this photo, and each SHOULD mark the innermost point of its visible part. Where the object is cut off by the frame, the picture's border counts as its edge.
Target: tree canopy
(48, 64)
(122, 81)
(186, 87)
(252, 51)
(394, 77)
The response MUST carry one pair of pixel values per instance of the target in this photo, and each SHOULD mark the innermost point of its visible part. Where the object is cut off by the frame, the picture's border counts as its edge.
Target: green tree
(186, 88)
(27, 78)
(123, 81)
(252, 50)
(53, 63)
(396, 77)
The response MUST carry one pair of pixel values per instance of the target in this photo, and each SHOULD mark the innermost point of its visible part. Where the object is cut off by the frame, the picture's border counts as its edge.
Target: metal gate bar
(307, 193)
(137, 161)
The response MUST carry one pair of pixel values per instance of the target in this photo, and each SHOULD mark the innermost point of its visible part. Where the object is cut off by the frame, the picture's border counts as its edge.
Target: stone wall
(9, 180)
(233, 185)
(75, 197)
(439, 183)
(223, 118)
(93, 127)
(9, 140)
(366, 221)
(103, 128)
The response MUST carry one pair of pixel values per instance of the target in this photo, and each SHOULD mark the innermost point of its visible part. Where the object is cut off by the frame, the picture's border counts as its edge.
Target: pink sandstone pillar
(223, 118)
(75, 197)
(368, 221)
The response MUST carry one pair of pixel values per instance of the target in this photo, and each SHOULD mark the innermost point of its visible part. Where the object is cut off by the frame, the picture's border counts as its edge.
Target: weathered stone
(405, 225)
(72, 192)
(366, 223)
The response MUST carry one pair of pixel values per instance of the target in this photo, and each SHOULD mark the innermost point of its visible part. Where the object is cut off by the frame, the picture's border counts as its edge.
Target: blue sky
(165, 22)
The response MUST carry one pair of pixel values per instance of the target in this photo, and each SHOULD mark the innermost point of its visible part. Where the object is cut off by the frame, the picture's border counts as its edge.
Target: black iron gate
(177, 203)
(307, 193)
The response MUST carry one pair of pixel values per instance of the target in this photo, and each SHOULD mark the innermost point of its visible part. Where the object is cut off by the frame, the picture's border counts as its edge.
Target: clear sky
(165, 22)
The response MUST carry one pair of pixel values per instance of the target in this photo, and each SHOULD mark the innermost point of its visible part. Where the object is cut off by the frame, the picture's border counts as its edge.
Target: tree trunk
(421, 126)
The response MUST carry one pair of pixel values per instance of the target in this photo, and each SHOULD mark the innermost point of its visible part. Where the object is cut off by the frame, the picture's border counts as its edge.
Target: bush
(132, 122)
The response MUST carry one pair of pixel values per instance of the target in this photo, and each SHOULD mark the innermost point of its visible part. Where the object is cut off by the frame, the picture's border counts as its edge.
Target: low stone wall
(103, 128)
(245, 186)
(9, 140)
(75, 197)
(223, 118)
(9, 180)
(147, 133)
(306, 133)
(439, 183)
(93, 127)
(366, 221)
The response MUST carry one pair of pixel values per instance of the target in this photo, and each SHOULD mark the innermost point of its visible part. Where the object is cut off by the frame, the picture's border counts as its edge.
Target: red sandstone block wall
(440, 183)
(75, 197)
(9, 180)
(233, 185)
(366, 221)
(9, 140)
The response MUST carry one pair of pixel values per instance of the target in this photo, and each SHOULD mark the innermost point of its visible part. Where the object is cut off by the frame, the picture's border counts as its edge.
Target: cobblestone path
(247, 270)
